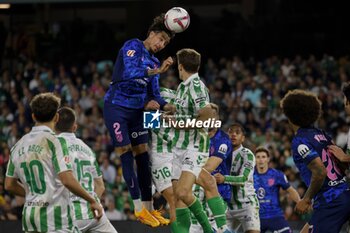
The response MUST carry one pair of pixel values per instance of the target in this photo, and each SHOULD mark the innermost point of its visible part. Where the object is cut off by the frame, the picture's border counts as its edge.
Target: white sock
(148, 205)
(137, 205)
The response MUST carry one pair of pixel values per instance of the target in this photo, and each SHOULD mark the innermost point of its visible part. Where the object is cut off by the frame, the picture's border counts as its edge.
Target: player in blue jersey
(327, 188)
(135, 87)
(267, 184)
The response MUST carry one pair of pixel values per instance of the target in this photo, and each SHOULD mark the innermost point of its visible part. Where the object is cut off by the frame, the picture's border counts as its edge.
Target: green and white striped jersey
(85, 169)
(36, 159)
(162, 137)
(241, 179)
(192, 95)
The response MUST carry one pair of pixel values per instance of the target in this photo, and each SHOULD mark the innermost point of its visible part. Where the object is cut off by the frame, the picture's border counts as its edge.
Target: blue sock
(129, 175)
(144, 176)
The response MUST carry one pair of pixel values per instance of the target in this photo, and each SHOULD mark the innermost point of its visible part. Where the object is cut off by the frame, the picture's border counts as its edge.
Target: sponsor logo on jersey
(261, 193)
(303, 150)
(130, 53)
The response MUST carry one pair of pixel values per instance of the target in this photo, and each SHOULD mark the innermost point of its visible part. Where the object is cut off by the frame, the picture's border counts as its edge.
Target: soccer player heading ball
(135, 87)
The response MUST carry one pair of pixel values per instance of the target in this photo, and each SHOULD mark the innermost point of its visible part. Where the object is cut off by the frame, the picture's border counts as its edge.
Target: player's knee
(209, 183)
(206, 180)
(122, 149)
(182, 193)
(139, 149)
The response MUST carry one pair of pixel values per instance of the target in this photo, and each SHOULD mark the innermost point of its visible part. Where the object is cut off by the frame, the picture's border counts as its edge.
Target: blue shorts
(275, 224)
(125, 125)
(330, 217)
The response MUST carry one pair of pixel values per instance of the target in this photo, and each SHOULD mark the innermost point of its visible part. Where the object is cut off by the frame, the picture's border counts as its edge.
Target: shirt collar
(235, 152)
(42, 128)
(187, 81)
(66, 134)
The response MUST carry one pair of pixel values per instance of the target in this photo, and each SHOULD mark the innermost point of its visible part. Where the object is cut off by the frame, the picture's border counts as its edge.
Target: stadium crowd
(247, 91)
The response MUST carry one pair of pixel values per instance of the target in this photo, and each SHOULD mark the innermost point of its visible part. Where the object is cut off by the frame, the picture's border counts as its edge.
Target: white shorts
(161, 170)
(247, 217)
(92, 225)
(189, 160)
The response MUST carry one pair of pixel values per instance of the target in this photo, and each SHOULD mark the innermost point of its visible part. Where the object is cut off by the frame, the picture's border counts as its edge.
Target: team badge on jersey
(130, 53)
(271, 182)
(303, 150)
(223, 149)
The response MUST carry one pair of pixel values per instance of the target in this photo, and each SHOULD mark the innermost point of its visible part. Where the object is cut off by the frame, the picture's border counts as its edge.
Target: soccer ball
(177, 19)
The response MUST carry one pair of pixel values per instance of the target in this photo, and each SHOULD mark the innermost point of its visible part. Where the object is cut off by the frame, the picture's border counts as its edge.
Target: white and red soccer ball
(177, 19)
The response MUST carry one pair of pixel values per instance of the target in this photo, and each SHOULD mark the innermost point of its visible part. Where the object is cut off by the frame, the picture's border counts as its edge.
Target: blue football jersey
(308, 144)
(267, 186)
(221, 146)
(131, 86)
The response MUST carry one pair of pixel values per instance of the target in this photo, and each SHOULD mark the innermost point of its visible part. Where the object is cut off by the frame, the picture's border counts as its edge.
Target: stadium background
(253, 52)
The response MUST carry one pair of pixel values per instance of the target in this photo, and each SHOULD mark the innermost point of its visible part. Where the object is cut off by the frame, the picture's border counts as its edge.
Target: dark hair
(262, 149)
(66, 120)
(190, 59)
(346, 91)
(301, 107)
(239, 126)
(44, 106)
(159, 26)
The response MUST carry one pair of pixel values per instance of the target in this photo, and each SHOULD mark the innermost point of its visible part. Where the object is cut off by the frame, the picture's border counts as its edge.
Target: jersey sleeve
(219, 149)
(96, 171)
(305, 152)
(60, 157)
(132, 57)
(153, 92)
(11, 169)
(199, 94)
(283, 181)
(246, 170)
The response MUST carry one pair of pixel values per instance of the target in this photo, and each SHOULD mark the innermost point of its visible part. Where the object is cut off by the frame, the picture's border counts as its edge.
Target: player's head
(236, 133)
(158, 35)
(302, 108)
(346, 92)
(44, 107)
(67, 120)
(262, 156)
(188, 61)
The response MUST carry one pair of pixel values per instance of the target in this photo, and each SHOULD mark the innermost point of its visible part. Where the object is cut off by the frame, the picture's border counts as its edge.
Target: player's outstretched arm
(163, 68)
(339, 154)
(212, 163)
(99, 186)
(294, 195)
(13, 186)
(68, 180)
(318, 175)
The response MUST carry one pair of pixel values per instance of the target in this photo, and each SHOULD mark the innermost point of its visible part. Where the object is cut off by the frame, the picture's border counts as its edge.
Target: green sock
(197, 210)
(217, 207)
(174, 228)
(183, 221)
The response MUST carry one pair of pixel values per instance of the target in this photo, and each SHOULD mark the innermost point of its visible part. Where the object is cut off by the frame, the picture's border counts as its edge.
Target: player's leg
(139, 141)
(161, 175)
(182, 213)
(191, 167)
(116, 120)
(214, 200)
